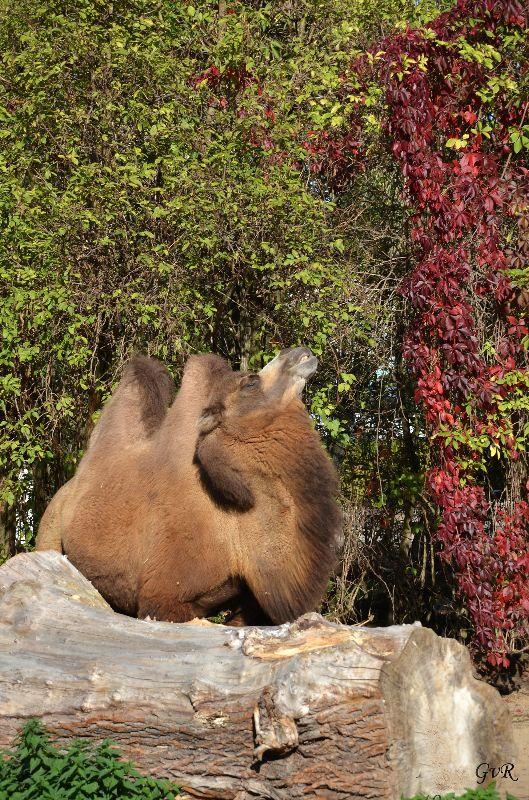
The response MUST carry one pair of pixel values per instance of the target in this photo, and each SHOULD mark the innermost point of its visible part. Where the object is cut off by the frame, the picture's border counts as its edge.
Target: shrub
(40, 770)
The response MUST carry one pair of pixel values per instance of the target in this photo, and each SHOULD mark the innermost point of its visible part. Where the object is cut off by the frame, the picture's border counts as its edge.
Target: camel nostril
(299, 355)
(305, 365)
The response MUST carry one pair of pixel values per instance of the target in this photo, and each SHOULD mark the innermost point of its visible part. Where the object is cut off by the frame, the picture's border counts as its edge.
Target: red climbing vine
(456, 122)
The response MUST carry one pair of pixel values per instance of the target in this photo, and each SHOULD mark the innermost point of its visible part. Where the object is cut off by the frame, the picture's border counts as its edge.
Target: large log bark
(309, 709)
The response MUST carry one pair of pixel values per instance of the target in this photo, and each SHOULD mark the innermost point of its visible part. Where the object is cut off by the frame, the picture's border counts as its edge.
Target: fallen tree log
(309, 709)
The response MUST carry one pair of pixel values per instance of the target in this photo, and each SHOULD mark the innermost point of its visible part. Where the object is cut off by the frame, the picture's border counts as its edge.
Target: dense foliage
(154, 198)
(37, 769)
(240, 176)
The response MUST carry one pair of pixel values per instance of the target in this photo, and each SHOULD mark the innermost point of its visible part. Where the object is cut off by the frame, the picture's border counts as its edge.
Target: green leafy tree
(158, 195)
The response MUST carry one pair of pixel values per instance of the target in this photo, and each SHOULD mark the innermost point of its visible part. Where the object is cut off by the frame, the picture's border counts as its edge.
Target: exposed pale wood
(304, 710)
(517, 782)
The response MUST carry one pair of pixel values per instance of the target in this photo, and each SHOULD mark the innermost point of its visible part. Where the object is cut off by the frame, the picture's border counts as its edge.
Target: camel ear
(221, 477)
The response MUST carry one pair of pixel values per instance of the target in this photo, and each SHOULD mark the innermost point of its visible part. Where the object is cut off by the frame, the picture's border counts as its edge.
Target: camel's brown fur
(227, 501)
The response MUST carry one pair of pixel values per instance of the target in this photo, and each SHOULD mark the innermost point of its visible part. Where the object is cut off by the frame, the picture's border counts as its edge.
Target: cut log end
(309, 709)
(433, 699)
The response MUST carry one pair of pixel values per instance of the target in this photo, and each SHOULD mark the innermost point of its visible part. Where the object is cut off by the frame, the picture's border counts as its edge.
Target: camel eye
(250, 382)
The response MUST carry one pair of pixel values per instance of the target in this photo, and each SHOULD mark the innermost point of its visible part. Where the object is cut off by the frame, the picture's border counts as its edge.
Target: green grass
(36, 769)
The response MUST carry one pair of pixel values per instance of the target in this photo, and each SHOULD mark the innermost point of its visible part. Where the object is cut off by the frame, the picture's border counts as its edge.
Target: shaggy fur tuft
(290, 578)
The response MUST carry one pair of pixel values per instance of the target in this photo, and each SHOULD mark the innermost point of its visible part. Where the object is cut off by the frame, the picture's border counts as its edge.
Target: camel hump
(155, 387)
(138, 406)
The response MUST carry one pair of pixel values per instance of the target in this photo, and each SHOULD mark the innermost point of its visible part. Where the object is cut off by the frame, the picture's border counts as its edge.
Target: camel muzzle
(298, 361)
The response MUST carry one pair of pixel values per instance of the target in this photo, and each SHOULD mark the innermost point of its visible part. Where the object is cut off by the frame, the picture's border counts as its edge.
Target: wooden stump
(304, 710)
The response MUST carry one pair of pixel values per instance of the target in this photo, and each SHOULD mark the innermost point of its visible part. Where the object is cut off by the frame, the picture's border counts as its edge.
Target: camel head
(241, 397)
(285, 376)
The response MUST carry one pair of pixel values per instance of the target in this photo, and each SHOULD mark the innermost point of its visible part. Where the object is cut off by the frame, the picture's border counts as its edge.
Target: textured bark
(305, 710)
